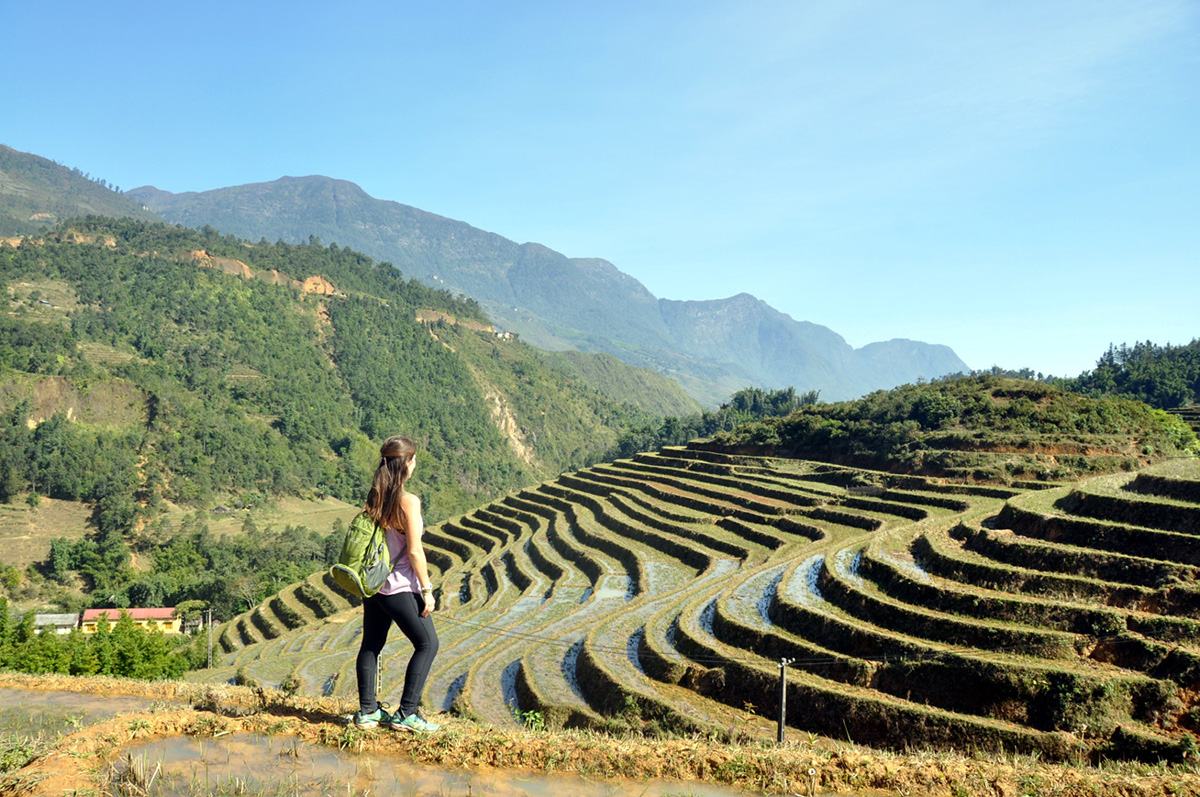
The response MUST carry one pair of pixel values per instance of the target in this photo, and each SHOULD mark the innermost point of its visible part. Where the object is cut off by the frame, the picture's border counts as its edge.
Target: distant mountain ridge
(711, 347)
(36, 193)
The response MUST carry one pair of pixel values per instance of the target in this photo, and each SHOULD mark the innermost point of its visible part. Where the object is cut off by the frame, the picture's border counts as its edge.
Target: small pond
(25, 712)
(284, 765)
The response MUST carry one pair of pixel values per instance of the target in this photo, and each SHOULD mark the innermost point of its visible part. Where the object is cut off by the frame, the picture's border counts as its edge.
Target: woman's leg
(376, 624)
(405, 609)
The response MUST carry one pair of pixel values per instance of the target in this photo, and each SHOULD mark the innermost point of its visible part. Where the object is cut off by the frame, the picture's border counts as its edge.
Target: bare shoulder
(411, 502)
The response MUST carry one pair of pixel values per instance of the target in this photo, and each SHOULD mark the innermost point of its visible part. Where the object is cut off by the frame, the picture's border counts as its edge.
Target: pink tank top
(402, 578)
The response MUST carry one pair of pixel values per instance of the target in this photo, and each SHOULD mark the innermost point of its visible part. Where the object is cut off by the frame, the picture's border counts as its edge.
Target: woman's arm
(414, 527)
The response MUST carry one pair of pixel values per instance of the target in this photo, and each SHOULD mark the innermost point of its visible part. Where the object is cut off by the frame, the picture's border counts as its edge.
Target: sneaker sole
(407, 729)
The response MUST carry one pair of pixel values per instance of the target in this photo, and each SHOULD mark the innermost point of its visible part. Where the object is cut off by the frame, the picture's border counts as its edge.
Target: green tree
(102, 645)
(81, 655)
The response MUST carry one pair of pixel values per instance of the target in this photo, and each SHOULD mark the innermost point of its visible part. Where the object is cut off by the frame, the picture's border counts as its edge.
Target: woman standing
(406, 598)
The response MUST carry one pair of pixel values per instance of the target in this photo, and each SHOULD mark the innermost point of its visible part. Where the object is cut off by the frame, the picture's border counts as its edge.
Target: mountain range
(711, 348)
(555, 302)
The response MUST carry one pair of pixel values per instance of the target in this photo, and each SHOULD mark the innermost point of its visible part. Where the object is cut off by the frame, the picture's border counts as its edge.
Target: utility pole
(208, 628)
(783, 665)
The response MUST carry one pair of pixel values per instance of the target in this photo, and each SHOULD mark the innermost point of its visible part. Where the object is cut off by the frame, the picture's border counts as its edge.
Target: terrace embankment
(100, 754)
(657, 596)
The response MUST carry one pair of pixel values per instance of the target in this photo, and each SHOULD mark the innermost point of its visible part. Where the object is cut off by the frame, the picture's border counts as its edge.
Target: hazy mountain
(36, 193)
(712, 347)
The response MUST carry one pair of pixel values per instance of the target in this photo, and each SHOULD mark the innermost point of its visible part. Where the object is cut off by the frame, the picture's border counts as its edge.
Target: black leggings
(378, 613)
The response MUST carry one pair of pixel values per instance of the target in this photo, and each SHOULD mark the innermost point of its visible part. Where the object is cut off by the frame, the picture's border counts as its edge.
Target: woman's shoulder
(410, 502)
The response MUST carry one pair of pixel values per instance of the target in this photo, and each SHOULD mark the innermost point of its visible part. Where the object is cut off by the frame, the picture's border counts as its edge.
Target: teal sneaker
(373, 720)
(414, 723)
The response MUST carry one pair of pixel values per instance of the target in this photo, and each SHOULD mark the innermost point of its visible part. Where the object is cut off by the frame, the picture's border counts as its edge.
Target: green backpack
(364, 565)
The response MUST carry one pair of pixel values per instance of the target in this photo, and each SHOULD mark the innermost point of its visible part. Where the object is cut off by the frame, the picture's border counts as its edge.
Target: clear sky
(1018, 180)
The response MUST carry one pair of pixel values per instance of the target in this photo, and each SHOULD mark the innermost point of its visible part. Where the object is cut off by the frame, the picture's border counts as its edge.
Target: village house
(163, 619)
(59, 623)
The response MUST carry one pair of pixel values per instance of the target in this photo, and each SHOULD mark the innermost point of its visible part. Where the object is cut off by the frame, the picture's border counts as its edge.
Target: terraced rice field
(660, 594)
(1190, 414)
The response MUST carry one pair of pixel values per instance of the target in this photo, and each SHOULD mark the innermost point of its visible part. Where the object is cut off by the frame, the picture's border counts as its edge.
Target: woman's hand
(430, 604)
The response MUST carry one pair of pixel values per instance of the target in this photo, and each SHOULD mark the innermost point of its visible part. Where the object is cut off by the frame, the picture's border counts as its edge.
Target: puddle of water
(658, 576)
(568, 668)
(456, 687)
(26, 712)
(768, 597)
(707, 616)
(802, 586)
(908, 565)
(246, 763)
(508, 685)
(846, 564)
(625, 590)
(631, 649)
(525, 605)
(329, 685)
(723, 567)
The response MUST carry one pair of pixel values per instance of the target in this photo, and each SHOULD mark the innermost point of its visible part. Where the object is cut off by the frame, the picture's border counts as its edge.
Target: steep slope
(712, 348)
(574, 295)
(271, 368)
(36, 193)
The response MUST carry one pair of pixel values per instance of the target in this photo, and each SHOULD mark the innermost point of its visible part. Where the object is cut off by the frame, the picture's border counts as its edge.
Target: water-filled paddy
(244, 763)
(256, 764)
(53, 714)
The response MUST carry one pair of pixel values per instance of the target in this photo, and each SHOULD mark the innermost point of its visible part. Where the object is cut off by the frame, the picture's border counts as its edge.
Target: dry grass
(112, 404)
(805, 765)
(316, 514)
(25, 532)
(54, 303)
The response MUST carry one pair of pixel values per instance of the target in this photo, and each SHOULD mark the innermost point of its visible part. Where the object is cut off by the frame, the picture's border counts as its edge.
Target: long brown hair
(395, 466)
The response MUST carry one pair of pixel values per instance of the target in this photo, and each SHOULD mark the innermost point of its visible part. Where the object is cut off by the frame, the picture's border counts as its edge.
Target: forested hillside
(36, 193)
(1165, 377)
(712, 348)
(256, 381)
(982, 427)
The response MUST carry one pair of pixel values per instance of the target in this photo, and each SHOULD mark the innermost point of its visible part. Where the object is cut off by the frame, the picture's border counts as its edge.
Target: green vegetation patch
(983, 428)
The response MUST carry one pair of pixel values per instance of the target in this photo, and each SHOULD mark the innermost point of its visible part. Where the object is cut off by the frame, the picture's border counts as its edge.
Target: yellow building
(162, 619)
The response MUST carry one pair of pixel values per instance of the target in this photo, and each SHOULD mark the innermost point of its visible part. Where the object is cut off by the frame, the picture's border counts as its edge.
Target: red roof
(137, 614)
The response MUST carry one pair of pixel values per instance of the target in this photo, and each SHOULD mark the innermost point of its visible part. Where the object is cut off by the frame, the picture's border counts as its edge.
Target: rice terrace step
(657, 595)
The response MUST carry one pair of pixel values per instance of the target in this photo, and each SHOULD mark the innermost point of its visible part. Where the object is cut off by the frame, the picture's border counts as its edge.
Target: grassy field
(317, 514)
(25, 531)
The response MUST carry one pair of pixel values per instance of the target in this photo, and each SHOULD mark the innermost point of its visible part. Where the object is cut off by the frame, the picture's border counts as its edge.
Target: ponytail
(395, 466)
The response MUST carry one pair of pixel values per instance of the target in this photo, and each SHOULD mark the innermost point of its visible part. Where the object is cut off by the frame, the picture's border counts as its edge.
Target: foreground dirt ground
(78, 762)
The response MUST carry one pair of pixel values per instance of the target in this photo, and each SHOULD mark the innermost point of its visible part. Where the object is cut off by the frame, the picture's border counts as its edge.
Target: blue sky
(1017, 180)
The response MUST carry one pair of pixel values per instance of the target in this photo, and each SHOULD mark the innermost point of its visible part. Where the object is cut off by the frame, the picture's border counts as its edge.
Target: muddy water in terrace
(26, 713)
(279, 765)
(284, 765)
(254, 764)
